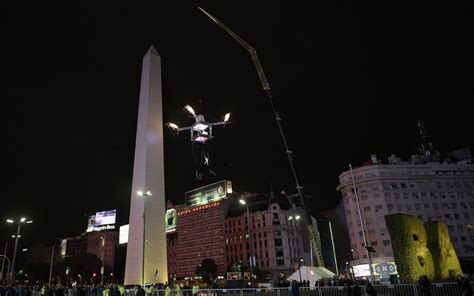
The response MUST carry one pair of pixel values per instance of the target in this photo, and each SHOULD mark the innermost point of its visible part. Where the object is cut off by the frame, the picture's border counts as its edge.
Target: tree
(207, 269)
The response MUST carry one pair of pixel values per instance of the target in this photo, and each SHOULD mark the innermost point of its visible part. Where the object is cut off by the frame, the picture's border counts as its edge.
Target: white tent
(311, 274)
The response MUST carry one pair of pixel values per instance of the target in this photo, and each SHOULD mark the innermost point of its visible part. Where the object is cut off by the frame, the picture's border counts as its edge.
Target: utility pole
(3, 261)
(369, 256)
(51, 267)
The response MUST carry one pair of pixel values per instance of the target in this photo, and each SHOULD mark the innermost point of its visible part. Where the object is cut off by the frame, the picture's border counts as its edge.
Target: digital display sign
(105, 218)
(208, 193)
(170, 220)
(101, 221)
(123, 234)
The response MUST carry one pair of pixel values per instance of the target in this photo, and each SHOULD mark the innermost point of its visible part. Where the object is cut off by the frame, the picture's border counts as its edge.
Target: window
(280, 262)
(279, 254)
(366, 209)
(278, 242)
(386, 242)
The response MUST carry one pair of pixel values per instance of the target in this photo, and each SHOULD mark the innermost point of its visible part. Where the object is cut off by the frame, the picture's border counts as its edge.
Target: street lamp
(17, 236)
(144, 195)
(249, 225)
(295, 241)
(299, 268)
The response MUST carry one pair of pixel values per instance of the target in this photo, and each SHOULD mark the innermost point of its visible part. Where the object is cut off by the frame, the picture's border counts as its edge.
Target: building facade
(432, 191)
(220, 231)
(277, 237)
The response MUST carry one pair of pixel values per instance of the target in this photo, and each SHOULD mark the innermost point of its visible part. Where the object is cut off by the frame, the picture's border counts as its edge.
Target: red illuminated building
(199, 235)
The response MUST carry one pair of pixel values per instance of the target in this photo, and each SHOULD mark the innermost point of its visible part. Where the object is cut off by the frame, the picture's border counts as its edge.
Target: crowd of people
(60, 290)
(187, 288)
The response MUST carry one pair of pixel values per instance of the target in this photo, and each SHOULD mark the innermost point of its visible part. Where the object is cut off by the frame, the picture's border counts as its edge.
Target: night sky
(350, 79)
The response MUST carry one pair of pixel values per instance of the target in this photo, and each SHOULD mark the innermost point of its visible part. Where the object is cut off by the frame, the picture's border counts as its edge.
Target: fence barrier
(436, 289)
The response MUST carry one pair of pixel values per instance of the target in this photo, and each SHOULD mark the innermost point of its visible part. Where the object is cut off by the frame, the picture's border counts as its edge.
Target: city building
(103, 245)
(279, 235)
(87, 242)
(199, 235)
(433, 190)
(219, 231)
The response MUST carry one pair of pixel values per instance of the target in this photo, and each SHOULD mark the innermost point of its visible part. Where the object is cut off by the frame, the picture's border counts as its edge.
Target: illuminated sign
(198, 208)
(63, 248)
(207, 194)
(384, 269)
(101, 221)
(170, 220)
(105, 218)
(123, 234)
(90, 223)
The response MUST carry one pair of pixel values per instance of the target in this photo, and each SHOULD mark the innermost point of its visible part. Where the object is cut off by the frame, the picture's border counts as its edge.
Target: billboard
(90, 223)
(207, 194)
(105, 218)
(170, 220)
(384, 269)
(63, 249)
(101, 221)
(123, 234)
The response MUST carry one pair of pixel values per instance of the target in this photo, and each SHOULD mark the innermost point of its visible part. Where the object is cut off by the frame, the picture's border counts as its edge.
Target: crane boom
(316, 253)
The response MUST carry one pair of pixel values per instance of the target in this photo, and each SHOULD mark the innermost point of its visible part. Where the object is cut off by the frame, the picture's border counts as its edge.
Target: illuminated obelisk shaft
(148, 175)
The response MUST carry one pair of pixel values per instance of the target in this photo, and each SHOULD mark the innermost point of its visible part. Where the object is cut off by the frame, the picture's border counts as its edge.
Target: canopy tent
(311, 274)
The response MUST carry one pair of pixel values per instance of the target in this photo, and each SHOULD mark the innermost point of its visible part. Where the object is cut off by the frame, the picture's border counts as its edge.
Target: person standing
(370, 290)
(425, 285)
(357, 291)
(140, 291)
(195, 290)
(295, 288)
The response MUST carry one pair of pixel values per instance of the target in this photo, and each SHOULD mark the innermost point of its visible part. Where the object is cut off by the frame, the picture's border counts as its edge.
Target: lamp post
(295, 238)
(249, 224)
(17, 236)
(4, 257)
(369, 255)
(144, 194)
(299, 268)
(3, 262)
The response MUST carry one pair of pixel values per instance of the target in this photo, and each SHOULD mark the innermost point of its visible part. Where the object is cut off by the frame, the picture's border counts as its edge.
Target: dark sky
(350, 79)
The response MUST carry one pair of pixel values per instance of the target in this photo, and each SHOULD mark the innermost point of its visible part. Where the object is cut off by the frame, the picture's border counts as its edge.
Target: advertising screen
(170, 220)
(105, 218)
(208, 194)
(123, 234)
(90, 223)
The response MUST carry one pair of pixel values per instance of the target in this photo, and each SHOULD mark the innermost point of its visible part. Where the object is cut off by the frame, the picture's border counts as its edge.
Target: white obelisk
(146, 250)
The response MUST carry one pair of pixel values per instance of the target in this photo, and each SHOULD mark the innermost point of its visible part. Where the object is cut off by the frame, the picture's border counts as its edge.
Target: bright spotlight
(10, 221)
(190, 110)
(173, 126)
(23, 219)
(226, 117)
(140, 193)
(242, 201)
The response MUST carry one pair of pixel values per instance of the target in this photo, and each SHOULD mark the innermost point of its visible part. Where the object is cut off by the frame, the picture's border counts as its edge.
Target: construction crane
(316, 254)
